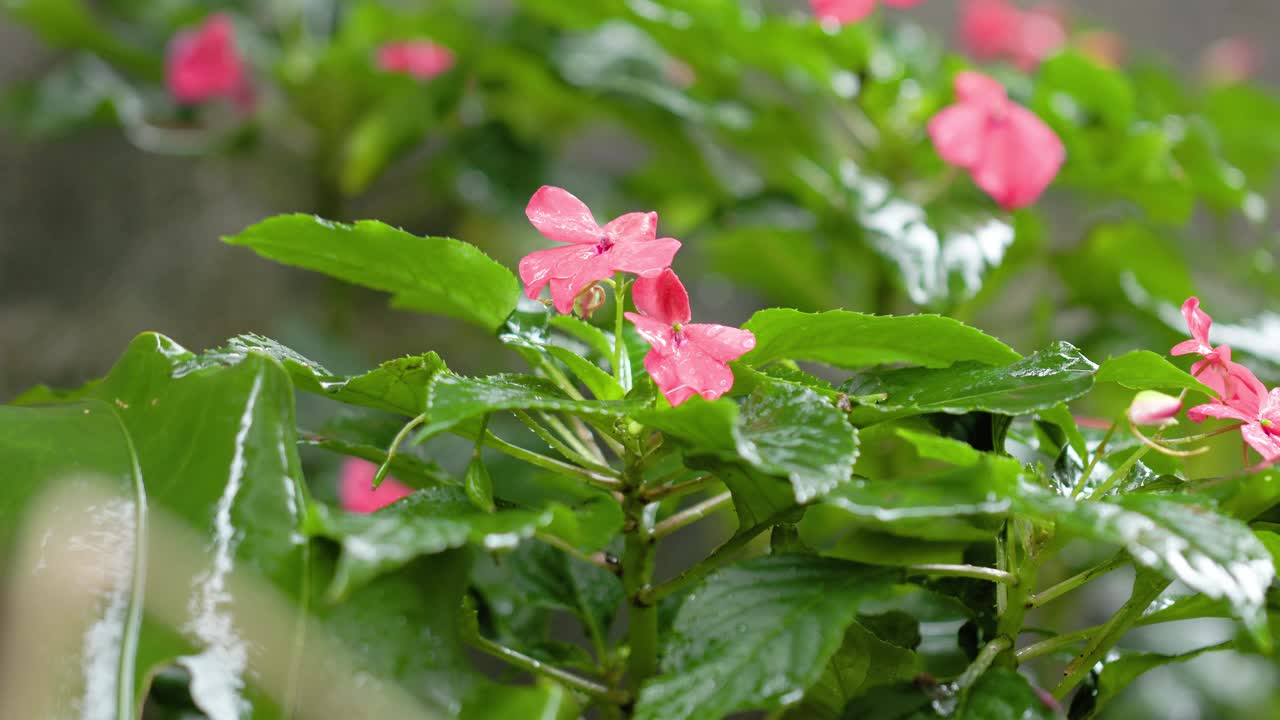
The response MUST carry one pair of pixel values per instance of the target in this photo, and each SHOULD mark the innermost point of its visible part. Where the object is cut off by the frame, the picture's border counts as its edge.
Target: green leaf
(1003, 694)
(543, 576)
(478, 484)
(432, 274)
(72, 24)
(756, 636)
(1178, 537)
(853, 340)
(1039, 382)
(546, 700)
(454, 398)
(1145, 370)
(602, 385)
(781, 429)
(428, 522)
(863, 662)
(1120, 672)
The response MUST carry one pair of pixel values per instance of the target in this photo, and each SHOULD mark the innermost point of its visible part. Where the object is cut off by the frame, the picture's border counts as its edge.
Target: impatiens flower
(629, 243)
(1231, 60)
(1009, 152)
(845, 12)
(991, 29)
(355, 488)
(422, 59)
(684, 360)
(1260, 415)
(1231, 381)
(1154, 408)
(204, 64)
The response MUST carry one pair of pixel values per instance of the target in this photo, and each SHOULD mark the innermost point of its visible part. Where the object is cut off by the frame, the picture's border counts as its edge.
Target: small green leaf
(1039, 382)
(1178, 537)
(1003, 694)
(854, 340)
(454, 398)
(431, 274)
(1119, 672)
(1145, 370)
(756, 636)
(428, 522)
(478, 484)
(602, 385)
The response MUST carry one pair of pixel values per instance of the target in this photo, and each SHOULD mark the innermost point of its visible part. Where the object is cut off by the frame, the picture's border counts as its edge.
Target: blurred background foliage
(791, 160)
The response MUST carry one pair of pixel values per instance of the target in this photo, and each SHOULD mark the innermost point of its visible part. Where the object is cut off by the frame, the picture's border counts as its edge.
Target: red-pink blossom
(203, 63)
(1260, 415)
(1232, 59)
(992, 29)
(355, 487)
(1234, 383)
(422, 59)
(1009, 152)
(1153, 408)
(845, 12)
(684, 359)
(628, 243)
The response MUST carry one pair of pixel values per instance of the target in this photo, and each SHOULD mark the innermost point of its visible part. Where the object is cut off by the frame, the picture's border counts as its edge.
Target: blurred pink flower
(992, 29)
(1104, 47)
(422, 59)
(845, 12)
(1041, 33)
(1234, 383)
(1153, 408)
(203, 64)
(684, 359)
(628, 243)
(355, 487)
(1261, 418)
(1009, 152)
(1230, 60)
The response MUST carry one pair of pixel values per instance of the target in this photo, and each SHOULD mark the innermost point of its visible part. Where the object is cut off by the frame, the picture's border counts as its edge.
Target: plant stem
(1119, 473)
(1145, 591)
(619, 347)
(718, 557)
(533, 665)
(986, 656)
(563, 448)
(637, 576)
(691, 515)
(605, 481)
(1075, 581)
(660, 491)
(598, 559)
(395, 445)
(1011, 598)
(969, 571)
(1093, 461)
(1048, 645)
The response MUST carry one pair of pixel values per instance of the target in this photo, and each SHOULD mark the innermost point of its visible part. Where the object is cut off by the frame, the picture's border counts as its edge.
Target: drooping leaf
(756, 636)
(1145, 370)
(1038, 382)
(433, 275)
(854, 340)
(428, 522)
(1178, 537)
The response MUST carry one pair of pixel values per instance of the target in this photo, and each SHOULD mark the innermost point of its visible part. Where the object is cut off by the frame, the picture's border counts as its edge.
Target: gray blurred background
(99, 241)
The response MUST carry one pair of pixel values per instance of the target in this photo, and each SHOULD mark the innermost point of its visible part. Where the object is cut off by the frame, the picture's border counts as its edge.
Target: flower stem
(600, 560)
(1093, 461)
(1075, 581)
(620, 372)
(533, 665)
(576, 455)
(969, 571)
(1145, 591)
(1119, 473)
(1056, 642)
(599, 479)
(395, 445)
(660, 491)
(690, 515)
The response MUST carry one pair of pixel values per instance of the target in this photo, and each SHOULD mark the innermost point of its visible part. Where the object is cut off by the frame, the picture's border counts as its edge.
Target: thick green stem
(661, 491)
(637, 575)
(691, 515)
(1145, 590)
(573, 454)
(1012, 597)
(986, 656)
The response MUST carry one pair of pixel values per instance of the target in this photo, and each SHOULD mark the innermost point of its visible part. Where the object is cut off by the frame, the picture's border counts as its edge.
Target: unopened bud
(1154, 408)
(590, 300)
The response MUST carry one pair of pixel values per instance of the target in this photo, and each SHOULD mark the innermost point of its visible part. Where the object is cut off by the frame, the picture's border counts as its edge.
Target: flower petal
(560, 216)
(355, 489)
(539, 267)
(1153, 408)
(686, 372)
(1217, 410)
(958, 132)
(988, 28)
(720, 342)
(1187, 347)
(1021, 158)
(564, 290)
(974, 87)
(203, 63)
(842, 11)
(633, 227)
(658, 334)
(643, 258)
(1198, 321)
(1040, 34)
(662, 297)
(1267, 445)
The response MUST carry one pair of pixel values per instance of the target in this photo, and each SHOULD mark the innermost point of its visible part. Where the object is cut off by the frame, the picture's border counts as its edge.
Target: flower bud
(590, 300)
(1154, 408)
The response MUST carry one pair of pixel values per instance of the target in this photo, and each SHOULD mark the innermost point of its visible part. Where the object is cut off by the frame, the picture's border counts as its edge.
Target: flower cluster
(204, 63)
(844, 12)
(1241, 396)
(997, 29)
(684, 359)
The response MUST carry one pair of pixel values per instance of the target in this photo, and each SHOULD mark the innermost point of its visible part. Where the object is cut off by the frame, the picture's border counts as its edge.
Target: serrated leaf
(1003, 694)
(1039, 382)
(863, 662)
(1145, 370)
(756, 636)
(454, 398)
(425, 523)
(543, 576)
(427, 274)
(1178, 537)
(854, 340)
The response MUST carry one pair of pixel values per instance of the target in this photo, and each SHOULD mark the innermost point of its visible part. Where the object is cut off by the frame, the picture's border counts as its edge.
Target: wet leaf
(542, 576)
(854, 340)
(1120, 671)
(454, 398)
(431, 274)
(863, 662)
(1145, 370)
(478, 484)
(756, 636)
(1003, 694)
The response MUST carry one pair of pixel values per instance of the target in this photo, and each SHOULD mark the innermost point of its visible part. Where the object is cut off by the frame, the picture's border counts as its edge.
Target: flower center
(1266, 423)
(604, 244)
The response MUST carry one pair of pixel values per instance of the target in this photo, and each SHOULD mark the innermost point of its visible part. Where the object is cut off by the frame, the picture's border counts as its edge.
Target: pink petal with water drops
(662, 297)
(560, 216)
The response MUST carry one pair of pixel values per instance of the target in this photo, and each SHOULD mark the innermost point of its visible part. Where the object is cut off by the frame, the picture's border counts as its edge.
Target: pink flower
(629, 243)
(1234, 383)
(845, 12)
(1009, 152)
(1233, 59)
(1153, 408)
(355, 489)
(422, 59)
(684, 360)
(991, 29)
(204, 64)
(1260, 415)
